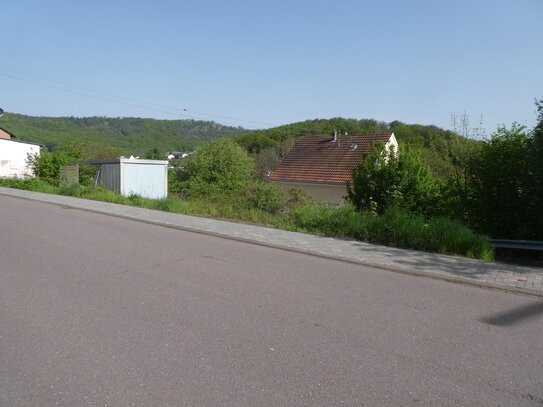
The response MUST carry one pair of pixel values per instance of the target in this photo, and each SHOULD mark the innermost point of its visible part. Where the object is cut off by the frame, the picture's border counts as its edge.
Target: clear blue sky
(275, 61)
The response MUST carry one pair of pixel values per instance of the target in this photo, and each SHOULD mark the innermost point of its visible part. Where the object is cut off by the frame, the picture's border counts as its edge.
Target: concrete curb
(57, 200)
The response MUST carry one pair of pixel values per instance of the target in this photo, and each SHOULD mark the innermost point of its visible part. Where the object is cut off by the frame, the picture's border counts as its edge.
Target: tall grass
(395, 227)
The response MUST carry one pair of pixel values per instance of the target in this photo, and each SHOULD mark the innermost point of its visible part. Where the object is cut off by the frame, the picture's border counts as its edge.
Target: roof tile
(320, 159)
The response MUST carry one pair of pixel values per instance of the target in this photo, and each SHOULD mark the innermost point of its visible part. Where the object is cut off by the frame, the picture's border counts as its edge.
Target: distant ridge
(129, 134)
(438, 147)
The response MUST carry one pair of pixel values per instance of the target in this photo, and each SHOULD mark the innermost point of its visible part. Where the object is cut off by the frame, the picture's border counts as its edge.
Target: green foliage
(129, 135)
(268, 197)
(385, 180)
(47, 165)
(395, 227)
(293, 210)
(503, 187)
(450, 236)
(439, 149)
(268, 159)
(259, 140)
(536, 160)
(499, 187)
(153, 154)
(29, 184)
(218, 168)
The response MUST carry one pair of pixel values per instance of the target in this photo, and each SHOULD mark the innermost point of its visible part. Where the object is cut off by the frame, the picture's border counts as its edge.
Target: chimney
(335, 136)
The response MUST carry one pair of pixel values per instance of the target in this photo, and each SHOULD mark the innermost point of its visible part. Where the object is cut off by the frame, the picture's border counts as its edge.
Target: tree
(47, 165)
(386, 179)
(536, 153)
(153, 154)
(217, 168)
(506, 202)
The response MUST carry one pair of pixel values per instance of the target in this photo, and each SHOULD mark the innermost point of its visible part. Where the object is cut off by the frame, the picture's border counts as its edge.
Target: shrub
(268, 197)
(47, 165)
(218, 168)
(449, 236)
(396, 227)
(386, 179)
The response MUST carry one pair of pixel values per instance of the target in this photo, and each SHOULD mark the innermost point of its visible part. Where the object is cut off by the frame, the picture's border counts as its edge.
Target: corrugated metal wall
(110, 176)
(145, 179)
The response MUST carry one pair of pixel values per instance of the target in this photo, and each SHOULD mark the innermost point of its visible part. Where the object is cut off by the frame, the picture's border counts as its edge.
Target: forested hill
(440, 149)
(129, 135)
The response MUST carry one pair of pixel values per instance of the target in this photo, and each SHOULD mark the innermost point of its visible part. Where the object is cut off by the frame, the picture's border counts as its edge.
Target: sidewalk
(525, 280)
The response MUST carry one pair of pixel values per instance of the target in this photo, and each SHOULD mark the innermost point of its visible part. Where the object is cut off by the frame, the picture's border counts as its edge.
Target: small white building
(129, 176)
(14, 154)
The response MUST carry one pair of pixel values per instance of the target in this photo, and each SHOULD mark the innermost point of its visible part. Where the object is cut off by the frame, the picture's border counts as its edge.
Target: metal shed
(146, 178)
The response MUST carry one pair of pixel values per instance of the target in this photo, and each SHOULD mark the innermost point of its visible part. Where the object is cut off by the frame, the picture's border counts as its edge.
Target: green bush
(388, 179)
(218, 168)
(47, 165)
(268, 197)
(403, 229)
(449, 236)
(396, 227)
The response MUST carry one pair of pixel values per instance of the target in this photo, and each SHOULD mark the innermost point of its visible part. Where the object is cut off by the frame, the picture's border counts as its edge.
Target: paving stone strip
(527, 280)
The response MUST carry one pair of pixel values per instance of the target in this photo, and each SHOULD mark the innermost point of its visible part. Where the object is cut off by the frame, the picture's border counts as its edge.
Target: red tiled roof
(4, 134)
(319, 159)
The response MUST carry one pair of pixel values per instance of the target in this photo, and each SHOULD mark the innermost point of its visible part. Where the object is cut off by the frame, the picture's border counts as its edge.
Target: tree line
(495, 189)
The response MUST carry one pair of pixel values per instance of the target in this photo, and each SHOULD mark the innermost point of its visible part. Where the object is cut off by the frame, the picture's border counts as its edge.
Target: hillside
(129, 135)
(440, 149)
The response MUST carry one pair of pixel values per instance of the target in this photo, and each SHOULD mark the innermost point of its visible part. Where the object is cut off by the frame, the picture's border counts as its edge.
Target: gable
(4, 134)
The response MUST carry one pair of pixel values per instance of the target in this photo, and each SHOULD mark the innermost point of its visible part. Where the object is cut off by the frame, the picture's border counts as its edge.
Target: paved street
(452, 268)
(103, 311)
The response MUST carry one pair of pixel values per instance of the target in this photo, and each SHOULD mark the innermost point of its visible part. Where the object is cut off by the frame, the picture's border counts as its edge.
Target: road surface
(102, 311)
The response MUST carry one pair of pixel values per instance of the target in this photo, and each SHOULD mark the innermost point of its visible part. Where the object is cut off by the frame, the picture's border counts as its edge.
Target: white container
(146, 178)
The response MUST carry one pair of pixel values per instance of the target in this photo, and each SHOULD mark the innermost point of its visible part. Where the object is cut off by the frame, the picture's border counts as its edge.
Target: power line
(120, 99)
(173, 110)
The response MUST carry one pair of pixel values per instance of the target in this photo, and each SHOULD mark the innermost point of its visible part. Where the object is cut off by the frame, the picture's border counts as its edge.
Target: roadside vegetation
(491, 187)
(219, 181)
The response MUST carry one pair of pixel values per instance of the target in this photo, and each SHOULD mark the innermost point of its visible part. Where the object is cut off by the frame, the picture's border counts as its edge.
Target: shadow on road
(515, 315)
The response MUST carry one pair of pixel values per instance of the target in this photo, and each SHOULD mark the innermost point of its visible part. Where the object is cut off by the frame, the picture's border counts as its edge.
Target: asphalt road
(101, 311)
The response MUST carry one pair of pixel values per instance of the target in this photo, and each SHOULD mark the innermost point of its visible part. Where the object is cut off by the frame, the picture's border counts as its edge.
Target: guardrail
(517, 244)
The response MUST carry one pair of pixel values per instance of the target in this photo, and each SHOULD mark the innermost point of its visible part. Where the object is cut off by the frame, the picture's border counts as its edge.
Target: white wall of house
(392, 142)
(13, 155)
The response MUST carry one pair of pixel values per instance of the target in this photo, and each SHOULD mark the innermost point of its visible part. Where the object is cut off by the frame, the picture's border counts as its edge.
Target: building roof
(320, 159)
(125, 160)
(6, 135)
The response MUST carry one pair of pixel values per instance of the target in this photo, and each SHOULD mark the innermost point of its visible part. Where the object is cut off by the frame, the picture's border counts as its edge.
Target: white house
(13, 155)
